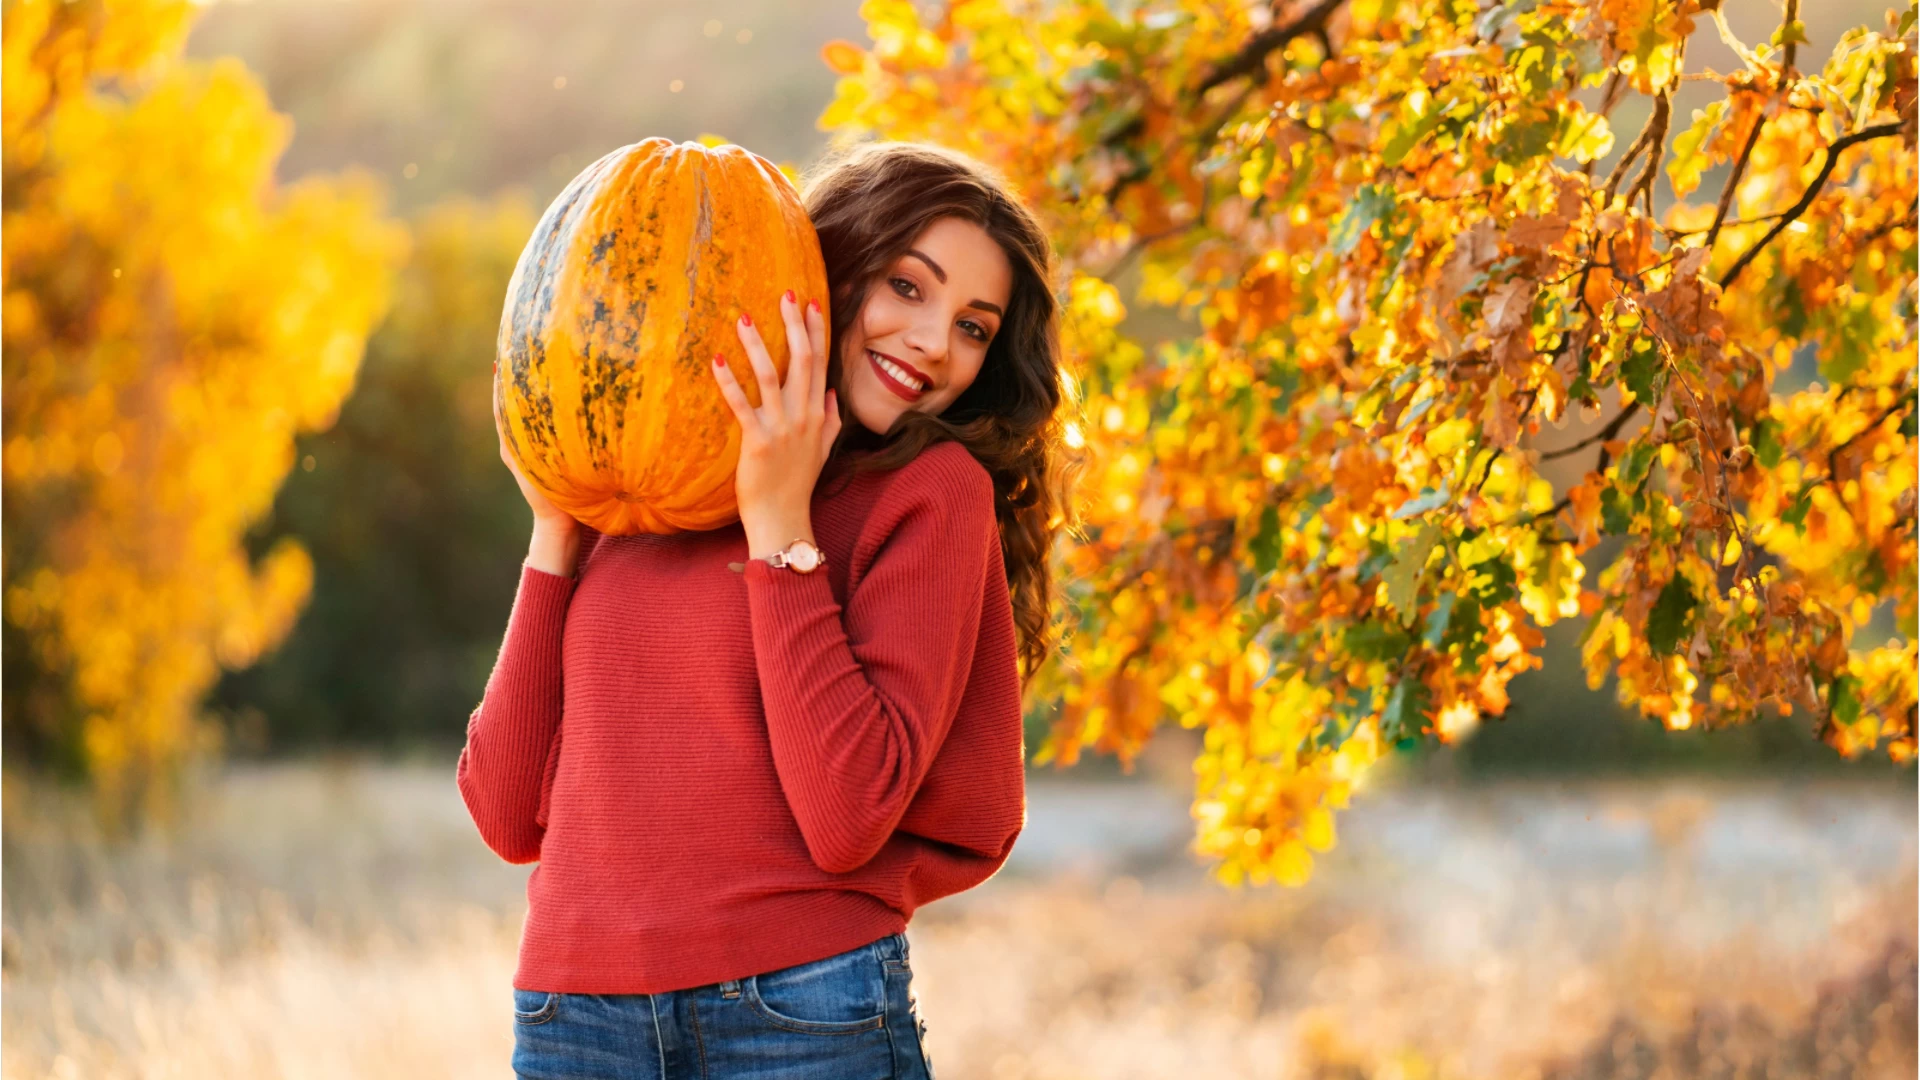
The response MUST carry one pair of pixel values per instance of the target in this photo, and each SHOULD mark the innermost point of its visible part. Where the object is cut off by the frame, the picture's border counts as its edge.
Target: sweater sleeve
(513, 736)
(859, 701)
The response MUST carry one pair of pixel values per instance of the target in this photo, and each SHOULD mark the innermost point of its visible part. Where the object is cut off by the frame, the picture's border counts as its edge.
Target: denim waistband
(892, 948)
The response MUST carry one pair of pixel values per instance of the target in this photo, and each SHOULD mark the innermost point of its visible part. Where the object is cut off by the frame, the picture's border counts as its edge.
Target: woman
(783, 736)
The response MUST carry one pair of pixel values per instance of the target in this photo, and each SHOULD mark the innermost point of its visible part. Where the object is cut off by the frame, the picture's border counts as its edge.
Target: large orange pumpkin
(632, 281)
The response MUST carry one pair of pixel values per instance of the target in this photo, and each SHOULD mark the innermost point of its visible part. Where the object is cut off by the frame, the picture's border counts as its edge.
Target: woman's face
(930, 315)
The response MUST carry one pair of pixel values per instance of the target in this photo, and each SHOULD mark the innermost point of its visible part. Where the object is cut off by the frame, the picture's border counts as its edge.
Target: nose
(928, 339)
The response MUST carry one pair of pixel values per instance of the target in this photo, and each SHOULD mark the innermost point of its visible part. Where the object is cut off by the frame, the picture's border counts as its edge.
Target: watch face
(803, 557)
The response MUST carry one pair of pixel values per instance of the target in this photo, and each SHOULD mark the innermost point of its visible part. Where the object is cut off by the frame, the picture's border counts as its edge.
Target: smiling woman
(851, 693)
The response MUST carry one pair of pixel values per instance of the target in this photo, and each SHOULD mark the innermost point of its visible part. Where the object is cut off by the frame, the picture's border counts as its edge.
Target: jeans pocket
(839, 995)
(534, 1006)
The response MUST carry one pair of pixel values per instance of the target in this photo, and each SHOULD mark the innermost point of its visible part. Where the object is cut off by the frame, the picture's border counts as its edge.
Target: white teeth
(897, 371)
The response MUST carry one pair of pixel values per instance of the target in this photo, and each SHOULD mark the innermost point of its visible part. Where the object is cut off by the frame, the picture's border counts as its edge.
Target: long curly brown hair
(868, 202)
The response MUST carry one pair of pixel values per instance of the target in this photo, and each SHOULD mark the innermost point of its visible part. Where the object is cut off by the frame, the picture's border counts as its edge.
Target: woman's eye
(978, 332)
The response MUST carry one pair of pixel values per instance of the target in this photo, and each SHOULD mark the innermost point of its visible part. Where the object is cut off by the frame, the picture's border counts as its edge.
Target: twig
(1657, 126)
(1619, 172)
(1879, 231)
(1253, 55)
(1791, 13)
(1733, 178)
(1140, 244)
(1878, 131)
(1613, 428)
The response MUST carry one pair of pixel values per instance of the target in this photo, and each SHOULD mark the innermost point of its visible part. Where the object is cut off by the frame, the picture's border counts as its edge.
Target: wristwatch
(800, 556)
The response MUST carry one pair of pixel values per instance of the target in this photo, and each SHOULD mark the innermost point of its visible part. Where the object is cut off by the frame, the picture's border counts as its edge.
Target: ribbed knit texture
(722, 773)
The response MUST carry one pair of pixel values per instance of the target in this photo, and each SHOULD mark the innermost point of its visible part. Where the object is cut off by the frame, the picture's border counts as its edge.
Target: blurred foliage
(1324, 528)
(408, 513)
(172, 319)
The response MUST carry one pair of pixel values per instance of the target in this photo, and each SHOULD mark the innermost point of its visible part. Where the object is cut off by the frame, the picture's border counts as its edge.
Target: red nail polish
(718, 361)
(790, 298)
(813, 305)
(746, 319)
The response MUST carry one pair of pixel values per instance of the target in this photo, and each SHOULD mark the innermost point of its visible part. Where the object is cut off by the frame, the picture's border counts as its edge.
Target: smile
(896, 378)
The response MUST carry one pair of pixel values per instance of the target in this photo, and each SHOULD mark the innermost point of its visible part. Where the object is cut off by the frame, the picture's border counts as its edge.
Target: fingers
(829, 422)
(802, 386)
(817, 339)
(736, 397)
(772, 409)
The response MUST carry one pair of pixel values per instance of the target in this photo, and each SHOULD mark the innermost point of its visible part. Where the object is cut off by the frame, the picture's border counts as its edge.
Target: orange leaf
(843, 56)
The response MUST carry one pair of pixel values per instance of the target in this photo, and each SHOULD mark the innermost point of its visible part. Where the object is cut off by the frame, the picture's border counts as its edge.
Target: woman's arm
(859, 701)
(513, 736)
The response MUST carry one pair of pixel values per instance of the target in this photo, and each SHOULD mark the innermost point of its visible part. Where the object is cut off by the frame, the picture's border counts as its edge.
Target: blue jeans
(851, 1016)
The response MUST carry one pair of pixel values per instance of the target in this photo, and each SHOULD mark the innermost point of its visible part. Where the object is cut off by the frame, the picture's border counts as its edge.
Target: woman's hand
(545, 514)
(784, 442)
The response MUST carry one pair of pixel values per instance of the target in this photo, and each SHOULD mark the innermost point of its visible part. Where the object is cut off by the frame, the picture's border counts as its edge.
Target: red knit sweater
(724, 772)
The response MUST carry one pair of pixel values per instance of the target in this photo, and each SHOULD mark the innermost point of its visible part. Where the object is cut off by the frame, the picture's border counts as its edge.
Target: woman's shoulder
(947, 473)
(943, 482)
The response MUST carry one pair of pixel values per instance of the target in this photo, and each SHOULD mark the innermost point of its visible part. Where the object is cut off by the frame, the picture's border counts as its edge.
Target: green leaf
(1405, 713)
(1495, 582)
(1643, 372)
(1409, 134)
(1672, 616)
(1843, 697)
(1796, 512)
(1438, 619)
(1850, 342)
(1373, 641)
(1371, 203)
(1688, 160)
(1403, 577)
(1265, 545)
(1637, 462)
(1766, 442)
(1584, 137)
(1616, 512)
(1793, 309)
(1527, 136)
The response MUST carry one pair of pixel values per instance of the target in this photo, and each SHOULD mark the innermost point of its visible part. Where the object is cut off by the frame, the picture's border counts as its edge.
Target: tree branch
(1620, 167)
(1878, 131)
(1253, 55)
(1791, 13)
(1613, 428)
(1733, 178)
(1657, 144)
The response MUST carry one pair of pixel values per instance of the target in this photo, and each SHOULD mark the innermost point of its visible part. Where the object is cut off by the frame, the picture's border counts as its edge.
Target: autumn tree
(406, 511)
(1423, 266)
(171, 320)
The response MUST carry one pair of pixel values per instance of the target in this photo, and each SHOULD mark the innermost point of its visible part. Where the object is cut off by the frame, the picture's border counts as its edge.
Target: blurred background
(1574, 891)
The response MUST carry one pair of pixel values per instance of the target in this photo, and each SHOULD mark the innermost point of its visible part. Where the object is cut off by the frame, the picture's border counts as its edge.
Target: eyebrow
(942, 275)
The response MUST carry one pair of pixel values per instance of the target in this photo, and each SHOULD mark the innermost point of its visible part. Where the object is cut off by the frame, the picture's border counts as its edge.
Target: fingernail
(746, 319)
(790, 298)
(813, 305)
(718, 361)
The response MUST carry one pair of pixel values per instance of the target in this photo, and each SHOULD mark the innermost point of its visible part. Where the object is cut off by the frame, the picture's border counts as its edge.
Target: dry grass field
(343, 920)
